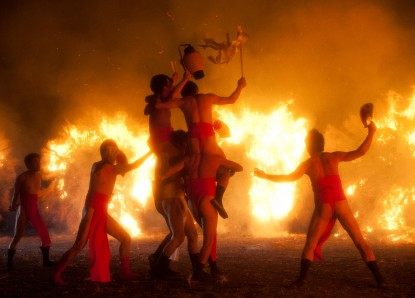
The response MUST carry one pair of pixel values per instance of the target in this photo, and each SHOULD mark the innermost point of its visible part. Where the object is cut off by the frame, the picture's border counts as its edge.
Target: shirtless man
(96, 223)
(330, 201)
(160, 129)
(160, 119)
(27, 190)
(173, 207)
(197, 109)
(206, 135)
(188, 106)
(201, 191)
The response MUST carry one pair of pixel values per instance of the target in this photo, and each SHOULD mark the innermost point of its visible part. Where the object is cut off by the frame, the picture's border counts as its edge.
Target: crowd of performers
(191, 176)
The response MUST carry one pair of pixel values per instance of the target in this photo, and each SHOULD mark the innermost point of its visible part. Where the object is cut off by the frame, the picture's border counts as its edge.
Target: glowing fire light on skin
(131, 193)
(275, 143)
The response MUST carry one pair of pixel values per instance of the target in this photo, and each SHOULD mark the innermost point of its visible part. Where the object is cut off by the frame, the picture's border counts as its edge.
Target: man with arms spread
(330, 201)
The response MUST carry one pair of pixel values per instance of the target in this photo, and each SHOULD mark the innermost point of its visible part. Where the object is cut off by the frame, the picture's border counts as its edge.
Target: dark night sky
(59, 59)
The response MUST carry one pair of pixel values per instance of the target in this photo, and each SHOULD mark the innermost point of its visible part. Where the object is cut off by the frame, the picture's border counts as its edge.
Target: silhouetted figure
(27, 191)
(197, 109)
(330, 201)
(201, 191)
(96, 223)
(171, 204)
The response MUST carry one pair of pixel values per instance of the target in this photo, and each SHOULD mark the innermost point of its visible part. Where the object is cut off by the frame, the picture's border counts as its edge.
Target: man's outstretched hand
(259, 173)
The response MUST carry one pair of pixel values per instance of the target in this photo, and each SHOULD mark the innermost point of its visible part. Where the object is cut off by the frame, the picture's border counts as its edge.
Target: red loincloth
(160, 134)
(201, 188)
(99, 250)
(29, 204)
(328, 190)
(201, 130)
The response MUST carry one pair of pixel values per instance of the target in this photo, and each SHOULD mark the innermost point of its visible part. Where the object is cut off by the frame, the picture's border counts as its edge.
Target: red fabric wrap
(201, 188)
(160, 134)
(29, 204)
(328, 190)
(202, 130)
(99, 250)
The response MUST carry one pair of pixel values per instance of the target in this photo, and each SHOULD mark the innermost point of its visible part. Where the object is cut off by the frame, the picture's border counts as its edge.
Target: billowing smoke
(59, 60)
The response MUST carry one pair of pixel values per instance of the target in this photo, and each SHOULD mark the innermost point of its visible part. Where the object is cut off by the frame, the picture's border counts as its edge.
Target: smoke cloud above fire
(62, 61)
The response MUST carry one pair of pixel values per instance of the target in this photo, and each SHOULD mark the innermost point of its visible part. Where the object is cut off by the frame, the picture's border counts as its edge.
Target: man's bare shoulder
(333, 155)
(24, 175)
(205, 96)
(107, 167)
(21, 177)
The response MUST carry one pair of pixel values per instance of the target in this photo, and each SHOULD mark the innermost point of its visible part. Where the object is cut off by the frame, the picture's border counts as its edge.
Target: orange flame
(274, 142)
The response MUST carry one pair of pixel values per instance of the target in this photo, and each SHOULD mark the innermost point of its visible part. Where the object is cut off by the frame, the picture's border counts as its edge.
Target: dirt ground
(254, 267)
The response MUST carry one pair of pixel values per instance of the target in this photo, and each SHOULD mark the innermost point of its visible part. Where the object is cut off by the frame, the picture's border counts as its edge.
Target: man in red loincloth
(27, 191)
(96, 223)
(171, 204)
(197, 109)
(330, 201)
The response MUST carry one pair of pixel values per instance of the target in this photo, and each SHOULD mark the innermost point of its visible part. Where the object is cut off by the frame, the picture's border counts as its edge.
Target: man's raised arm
(362, 149)
(233, 97)
(178, 88)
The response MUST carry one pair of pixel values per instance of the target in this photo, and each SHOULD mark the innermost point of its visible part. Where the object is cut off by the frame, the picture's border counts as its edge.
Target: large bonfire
(378, 186)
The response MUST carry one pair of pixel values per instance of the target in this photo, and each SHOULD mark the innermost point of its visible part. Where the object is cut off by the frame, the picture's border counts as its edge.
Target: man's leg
(222, 183)
(191, 235)
(41, 229)
(209, 220)
(174, 210)
(80, 242)
(351, 226)
(20, 226)
(118, 232)
(176, 217)
(159, 207)
(349, 223)
(209, 224)
(209, 146)
(320, 220)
